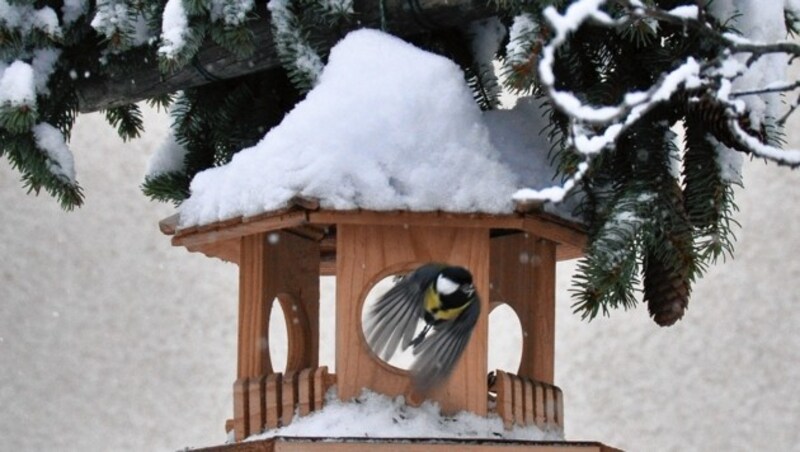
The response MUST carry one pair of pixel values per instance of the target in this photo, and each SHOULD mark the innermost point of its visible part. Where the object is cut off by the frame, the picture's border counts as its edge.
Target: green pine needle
(167, 187)
(127, 119)
(18, 119)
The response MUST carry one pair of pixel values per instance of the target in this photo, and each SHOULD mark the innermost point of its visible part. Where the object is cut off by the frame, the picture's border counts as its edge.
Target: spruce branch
(595, 128)
(36, 168)
(127, 119)
(171, 187)
(608, 273)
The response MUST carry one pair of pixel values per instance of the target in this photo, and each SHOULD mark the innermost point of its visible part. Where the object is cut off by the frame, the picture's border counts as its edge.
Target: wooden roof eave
(221, 239)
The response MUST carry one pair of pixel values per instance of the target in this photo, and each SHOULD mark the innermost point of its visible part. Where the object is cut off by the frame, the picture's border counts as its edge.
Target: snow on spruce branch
(174, 29)
(23, 18)
(121, 23)
(231, 12)
(293, 25)
(302, 60)
(594, 129)
(184, 28)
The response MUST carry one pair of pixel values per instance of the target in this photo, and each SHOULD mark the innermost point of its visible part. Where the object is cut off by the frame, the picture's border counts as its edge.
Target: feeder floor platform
(297, 444)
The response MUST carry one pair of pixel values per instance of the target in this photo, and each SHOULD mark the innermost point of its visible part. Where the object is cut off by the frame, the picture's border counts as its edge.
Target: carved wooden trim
(270, 401)
(524, 401)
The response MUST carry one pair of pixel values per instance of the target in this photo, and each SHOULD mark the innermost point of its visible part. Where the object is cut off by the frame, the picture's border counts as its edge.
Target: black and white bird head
(455, 279)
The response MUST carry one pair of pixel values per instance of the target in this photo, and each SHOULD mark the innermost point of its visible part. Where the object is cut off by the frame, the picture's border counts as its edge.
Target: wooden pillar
(523, 270)
(368, 253)
(283, 266)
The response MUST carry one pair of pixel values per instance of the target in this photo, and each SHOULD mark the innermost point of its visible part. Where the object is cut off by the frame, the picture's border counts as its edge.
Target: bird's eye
(468, 289)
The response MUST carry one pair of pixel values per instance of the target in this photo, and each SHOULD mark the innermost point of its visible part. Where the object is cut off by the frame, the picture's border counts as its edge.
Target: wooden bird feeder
(281, 256)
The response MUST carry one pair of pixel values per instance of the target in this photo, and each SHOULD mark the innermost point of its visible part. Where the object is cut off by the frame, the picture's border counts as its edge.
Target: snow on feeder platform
(361, 183)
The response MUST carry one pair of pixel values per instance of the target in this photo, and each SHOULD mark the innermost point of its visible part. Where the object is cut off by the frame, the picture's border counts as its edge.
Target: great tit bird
(445, 298)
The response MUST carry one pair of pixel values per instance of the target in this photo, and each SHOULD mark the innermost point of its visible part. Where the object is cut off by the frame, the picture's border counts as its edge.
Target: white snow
(46, 20)
(17, 85)
(554, 193)
(50, 140)
(790, 156)
(685, 12)
(761, 22)
(729, 161)
(522, 32)
(73, 9)
(374, 415)
(116, 17)
(487, 35)
(337, 6)
(23, 17)
(231, 12)
(44, 63)
(168, 157)
(174, 27)
(20, 81)
(10, 16)
(389, 126)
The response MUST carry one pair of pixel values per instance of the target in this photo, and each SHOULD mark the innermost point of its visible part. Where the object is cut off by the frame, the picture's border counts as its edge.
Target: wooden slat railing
(271, 401)
(523, 401)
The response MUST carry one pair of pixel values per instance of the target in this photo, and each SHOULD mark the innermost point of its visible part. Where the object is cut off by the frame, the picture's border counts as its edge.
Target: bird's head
(452, 279)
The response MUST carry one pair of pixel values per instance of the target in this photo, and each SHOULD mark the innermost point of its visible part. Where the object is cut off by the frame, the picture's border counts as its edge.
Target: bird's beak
(469, 289)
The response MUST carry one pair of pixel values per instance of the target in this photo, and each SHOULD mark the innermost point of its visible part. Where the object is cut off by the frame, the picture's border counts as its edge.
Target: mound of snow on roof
(389, 126)
(375, 415)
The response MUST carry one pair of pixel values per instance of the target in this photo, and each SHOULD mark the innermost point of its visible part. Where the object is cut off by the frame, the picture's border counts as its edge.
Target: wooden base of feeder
(295, 444)
(271, 401)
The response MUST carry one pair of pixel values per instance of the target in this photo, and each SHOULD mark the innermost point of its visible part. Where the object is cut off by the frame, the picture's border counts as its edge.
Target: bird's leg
(417, 340)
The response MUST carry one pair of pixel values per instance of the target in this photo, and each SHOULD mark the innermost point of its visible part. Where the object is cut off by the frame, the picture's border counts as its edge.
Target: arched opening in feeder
(277, 338)
(327, 323)
(505, 339)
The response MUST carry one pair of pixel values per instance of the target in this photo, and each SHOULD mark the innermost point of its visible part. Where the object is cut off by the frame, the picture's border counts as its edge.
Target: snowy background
(112, 340)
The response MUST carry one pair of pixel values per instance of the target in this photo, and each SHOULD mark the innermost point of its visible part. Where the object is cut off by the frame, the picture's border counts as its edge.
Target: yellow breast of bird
(433, 305)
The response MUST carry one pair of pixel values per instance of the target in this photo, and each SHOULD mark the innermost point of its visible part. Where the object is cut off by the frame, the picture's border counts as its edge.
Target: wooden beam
(541, 316)
(407, 218)
(216, 232)
(123, 87)
(255, 299)
(208, 239)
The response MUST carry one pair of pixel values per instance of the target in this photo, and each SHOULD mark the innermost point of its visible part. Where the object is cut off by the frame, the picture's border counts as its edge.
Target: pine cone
(714, 117)
(665, 291)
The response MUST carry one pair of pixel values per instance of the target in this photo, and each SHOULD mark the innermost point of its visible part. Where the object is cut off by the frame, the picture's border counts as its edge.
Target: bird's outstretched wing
(438, 354)
(394, 317)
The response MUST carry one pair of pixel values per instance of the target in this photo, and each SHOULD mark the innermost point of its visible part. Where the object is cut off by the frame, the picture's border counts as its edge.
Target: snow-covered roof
(388, 127)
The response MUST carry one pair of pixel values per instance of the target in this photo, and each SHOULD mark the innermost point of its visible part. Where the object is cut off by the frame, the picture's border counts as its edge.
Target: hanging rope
(384, 25)
(202, 71)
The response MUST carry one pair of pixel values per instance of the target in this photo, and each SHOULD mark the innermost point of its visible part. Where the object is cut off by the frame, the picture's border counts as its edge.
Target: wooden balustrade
(524, 401)
(270, 401)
